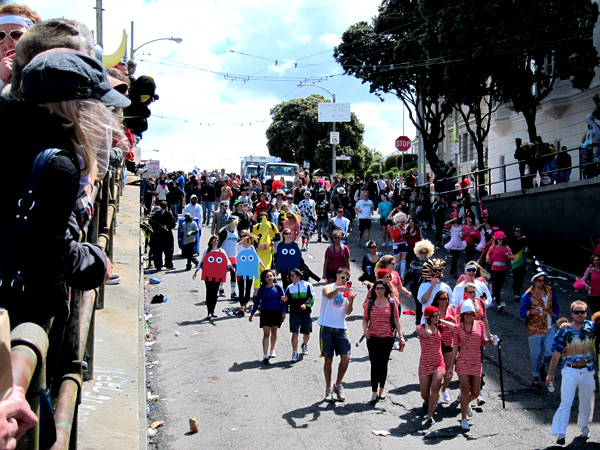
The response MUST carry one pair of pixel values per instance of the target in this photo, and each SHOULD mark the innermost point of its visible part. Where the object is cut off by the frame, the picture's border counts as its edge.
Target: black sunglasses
(579, 312)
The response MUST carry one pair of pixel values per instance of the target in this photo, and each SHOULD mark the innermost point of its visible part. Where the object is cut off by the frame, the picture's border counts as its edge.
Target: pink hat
(499, 234)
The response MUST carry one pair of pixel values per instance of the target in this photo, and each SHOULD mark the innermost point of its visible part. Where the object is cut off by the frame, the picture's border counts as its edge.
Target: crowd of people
(452, 324)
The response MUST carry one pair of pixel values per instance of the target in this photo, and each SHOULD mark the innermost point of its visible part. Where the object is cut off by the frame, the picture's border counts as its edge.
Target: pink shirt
(294, 228)
(495, 257)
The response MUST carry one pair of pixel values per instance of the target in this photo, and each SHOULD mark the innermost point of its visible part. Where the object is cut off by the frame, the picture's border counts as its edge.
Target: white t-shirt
(366, 207)
(333, 312)
(194, 210)
(162, 192)
(343, 224)
(424, 288)
(459, 292)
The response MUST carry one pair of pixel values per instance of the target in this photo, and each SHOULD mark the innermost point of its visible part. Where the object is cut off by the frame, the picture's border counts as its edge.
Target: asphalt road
(213, 371)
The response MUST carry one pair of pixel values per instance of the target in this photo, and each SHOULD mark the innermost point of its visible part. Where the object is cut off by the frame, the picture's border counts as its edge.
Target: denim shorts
(300, 323)
(334, 341)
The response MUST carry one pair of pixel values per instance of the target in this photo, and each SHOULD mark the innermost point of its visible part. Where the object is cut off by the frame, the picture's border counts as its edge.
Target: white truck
(281, 169)
(254, 165)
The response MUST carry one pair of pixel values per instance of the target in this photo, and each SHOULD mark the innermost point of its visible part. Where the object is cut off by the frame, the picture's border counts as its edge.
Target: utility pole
(99, 10)
(333, 147)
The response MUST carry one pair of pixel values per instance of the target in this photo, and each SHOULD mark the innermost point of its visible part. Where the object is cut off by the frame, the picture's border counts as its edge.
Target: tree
(544, 41)
(296, 135)
(391, 57)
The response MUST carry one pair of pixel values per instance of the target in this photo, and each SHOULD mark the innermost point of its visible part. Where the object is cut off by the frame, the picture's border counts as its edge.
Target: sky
(238, 59)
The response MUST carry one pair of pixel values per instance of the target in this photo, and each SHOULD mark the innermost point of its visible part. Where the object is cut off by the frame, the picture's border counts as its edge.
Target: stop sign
(403, 143)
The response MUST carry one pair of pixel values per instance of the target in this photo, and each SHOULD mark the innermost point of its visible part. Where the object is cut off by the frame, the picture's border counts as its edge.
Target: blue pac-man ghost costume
(288, 257)
(247, 264)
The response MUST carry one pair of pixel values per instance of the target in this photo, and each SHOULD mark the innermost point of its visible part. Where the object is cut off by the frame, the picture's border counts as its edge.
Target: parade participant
(262, 205)
(431, 362)
(469, 337)
(423, 251)
(399, 235)
(337, 302)
(384, 209)
(540, 309)
(189, 230)
(575, 344)
(321, 209)
(309, 218)
(475, 274)
(337, 255)
(433, 271)
(266, 231)
(208, 195)
(413, 235)
(471, 237)
(272, 311)
(387, 262)
(228, 239)
(456, 244)
(300, 297)
(286, 262)
(364, 210)
(592, 278)
(369, 261)
(441, 301)
(292, 224)
(519, 246)
(242, 216)
(381, 322)
(247, 241)
(487, 232)
(220, 218)
(498, 256)
(161, 240)
(339, 222)
(212, 286)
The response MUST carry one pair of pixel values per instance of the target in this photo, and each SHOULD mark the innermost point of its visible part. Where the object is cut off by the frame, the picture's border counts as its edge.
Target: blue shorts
(402, 247)
(300, 323)
(334, 341)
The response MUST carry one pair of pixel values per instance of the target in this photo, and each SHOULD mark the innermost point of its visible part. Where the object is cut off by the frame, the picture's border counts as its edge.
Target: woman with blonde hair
(387, 262)
(423, 251)
(228, 240)
(292, 223)
(399, 237)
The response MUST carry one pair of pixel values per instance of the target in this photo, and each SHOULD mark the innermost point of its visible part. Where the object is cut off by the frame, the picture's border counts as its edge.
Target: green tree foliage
(390, 55)
(296, 135)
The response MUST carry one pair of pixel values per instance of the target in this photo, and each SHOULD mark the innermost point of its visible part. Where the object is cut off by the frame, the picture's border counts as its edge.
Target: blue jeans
(206, 212)
(322, 227)
(565, 176)
(175, 210)
(540, 349)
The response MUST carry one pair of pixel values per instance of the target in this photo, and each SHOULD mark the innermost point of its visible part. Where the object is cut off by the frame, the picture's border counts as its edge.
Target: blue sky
(237, 60)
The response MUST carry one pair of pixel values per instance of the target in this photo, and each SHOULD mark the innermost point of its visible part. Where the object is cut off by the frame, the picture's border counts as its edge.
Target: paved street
(213, 371)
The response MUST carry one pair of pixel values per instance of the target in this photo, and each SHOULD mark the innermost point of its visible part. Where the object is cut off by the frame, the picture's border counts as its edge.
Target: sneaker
(536, 385)
(480, 401)
(469, 411)
(366, 243)
(464, 424)
(221, 292)
(517, 298)
(383, 245)
(561, 439)
(114, 279)
(272, 354)
(585, 433)
(265, 359)
(294, 356)
(304, 349)
(213, 315)
(501, 306)
(446, 396)
(339, 392)
(328, 395)
(234, 295)
(396, 346)
(429, 422)
(458, 397)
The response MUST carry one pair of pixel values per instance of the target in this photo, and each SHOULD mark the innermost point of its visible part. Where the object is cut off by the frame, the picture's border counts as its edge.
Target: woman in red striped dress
(377, 329)
(442, 302)
(469, 336)
(431, 364)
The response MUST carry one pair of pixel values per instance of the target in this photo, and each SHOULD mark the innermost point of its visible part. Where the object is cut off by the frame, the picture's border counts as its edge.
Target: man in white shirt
(364, 211)
(482, 289)
(428, 289)
(340, 222)
(194, 208)
(336, 303)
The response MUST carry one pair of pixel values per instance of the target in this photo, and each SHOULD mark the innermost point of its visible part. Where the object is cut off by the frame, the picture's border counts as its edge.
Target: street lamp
(333, 149)
(133, 50)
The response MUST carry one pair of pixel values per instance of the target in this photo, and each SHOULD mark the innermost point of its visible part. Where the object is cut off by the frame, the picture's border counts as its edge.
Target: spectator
(208, 196)
(161, 240)
(439, 209)
(564, 165)
(524, 154)
(16, 417)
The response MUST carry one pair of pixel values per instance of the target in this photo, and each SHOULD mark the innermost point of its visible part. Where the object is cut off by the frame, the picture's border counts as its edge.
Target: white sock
(233, 284)
(402, 268)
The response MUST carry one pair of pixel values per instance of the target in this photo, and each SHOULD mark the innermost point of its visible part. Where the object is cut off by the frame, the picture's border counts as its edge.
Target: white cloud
(330, 39)
(303, 38)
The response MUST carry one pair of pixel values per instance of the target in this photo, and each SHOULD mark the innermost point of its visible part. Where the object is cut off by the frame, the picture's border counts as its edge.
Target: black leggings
(286, 279)
(498, 279)
(212, 293)
(379, 355)
(414, 290)
(469, 250)
(454, 264)
(245, 287)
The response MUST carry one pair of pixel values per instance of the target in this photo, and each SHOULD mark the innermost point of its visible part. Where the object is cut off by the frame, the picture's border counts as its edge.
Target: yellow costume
(266, 230)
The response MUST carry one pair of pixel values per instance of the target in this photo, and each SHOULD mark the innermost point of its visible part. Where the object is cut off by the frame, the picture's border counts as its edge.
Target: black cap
(62, 75)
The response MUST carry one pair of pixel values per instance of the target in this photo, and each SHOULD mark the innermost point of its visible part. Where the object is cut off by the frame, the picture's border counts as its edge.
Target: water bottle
(551, 387)
(495, 340)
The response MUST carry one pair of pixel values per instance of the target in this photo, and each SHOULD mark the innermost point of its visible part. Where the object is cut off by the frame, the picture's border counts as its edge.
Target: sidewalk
(112, 404)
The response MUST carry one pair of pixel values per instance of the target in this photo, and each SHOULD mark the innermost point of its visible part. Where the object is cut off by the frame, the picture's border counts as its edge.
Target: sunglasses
(343, 277)
(373, 246)
(441, 299)
(435, 316)
(471, 270)
(15, 35)
(287, 233)
(436, 270)
(424, 251)
(541, 280)
(470, 314)
(337, 238)
(380, 288)
(470, 292)
(517, 231)
(579, 312)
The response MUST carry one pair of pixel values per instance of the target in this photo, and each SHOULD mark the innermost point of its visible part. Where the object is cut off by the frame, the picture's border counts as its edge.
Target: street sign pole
(333, 149)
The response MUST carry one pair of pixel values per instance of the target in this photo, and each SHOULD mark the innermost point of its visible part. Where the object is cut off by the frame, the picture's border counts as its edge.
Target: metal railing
(30, 341)
(497, 175)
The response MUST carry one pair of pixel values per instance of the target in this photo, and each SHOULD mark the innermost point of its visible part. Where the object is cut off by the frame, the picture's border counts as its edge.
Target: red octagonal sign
(403, 143)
